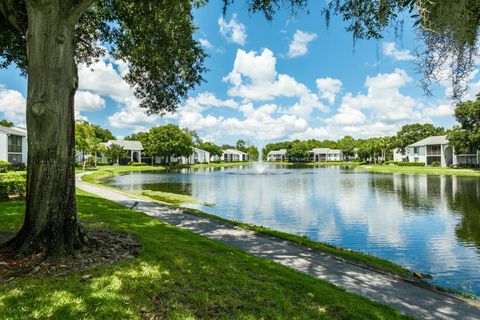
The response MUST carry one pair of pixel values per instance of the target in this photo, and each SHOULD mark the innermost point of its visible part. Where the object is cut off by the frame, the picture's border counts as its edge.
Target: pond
(426, 223)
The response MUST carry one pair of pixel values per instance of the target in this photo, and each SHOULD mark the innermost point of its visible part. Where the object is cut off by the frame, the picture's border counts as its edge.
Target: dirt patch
(108, 247)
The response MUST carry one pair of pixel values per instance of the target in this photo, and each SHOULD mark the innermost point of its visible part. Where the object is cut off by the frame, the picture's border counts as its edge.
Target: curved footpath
(383, 288)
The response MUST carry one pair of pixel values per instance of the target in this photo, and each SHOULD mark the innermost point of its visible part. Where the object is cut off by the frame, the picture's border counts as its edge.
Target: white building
(13, 145)
(233, 155)
(277, 155)
(398, 156)
(435, 149)
(326, 154)
(198, 156)
(134, 149)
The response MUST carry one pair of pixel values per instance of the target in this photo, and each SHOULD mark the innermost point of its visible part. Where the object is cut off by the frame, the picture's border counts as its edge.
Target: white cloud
(259, 123)
(328, 88)
(442, 110)
(80, 117)
(131, 116)
(390, 50)
(258, 68)
(12, 104)
(299, 45)
(206, 100)
(384, 100)
(104, 78)
(254, 78)
(347, 116)
(381, 111)
(233, 30)
(87, 101)
(205, 43)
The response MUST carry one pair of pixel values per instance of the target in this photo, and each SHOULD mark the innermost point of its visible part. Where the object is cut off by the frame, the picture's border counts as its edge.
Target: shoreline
(238, 238)
(365, 259)
(96, 178)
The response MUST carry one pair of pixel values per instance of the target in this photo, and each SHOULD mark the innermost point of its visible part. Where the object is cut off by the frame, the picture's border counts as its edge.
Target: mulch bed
(108, 247)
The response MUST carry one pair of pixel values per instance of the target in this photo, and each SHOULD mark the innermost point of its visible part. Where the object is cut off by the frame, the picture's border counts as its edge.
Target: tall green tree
(252, 152)
(412, 133)
(299, 151)
(102, 134)
(241, 145)
(115, 152)
(195, 137)
(46, 39)
(6, 123)
(465, 137)
(85, 140)
(170, 141)
(347, 144)
(212, 148)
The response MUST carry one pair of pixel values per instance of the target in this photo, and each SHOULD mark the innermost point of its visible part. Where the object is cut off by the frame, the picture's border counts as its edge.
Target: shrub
(5, 166)
(411, 164)
(102, 164)
(137, 164)
(391, 162)
(20, 167)
(436, 164)
(13, 185)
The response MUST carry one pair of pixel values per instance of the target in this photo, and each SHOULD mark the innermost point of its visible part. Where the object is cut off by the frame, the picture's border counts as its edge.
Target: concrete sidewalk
(402, 295)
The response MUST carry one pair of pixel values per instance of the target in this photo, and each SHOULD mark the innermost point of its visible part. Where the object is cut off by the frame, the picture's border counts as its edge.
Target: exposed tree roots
(104, 247)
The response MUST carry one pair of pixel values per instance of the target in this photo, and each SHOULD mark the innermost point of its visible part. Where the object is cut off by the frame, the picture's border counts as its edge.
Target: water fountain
(259, 166)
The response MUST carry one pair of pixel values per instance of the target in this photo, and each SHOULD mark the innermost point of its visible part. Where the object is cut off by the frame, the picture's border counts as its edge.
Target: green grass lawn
(178, 275)
(419, 170)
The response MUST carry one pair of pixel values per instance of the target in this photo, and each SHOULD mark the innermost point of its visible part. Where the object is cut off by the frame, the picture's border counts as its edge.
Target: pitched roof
(281, 152)
(235, 151)
(17, 131)
(325, 150)
(430, 140)
(200, 150)
(127, 144)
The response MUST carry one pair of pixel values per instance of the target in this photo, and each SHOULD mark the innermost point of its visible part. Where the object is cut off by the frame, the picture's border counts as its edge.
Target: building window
(15, 158)
(434, 150)
(15, 144)
(415, 150)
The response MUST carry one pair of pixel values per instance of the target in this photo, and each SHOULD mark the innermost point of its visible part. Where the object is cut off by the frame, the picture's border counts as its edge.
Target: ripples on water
(426, 223)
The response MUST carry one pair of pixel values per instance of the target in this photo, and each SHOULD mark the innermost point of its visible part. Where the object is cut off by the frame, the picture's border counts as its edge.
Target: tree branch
(79, 8)
(12, 15)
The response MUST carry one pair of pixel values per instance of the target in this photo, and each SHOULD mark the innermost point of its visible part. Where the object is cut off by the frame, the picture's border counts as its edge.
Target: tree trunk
(51, 221)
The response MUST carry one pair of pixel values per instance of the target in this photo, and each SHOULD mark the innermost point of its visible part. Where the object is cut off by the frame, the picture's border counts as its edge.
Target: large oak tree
(46, 39)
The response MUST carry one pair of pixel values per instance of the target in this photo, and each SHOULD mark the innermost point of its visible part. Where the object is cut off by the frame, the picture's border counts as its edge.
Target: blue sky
(268, 81)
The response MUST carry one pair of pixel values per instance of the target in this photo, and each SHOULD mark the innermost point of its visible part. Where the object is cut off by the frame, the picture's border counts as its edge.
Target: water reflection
(438, 195)
(427, 223)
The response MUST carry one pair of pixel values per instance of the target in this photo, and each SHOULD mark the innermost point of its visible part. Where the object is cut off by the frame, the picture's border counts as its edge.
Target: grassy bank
(178, 275)
(177, 200)
(112, 171)
(334, 163)
(211, 165)
(327, 163)
(350, 255)
(419, 170)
